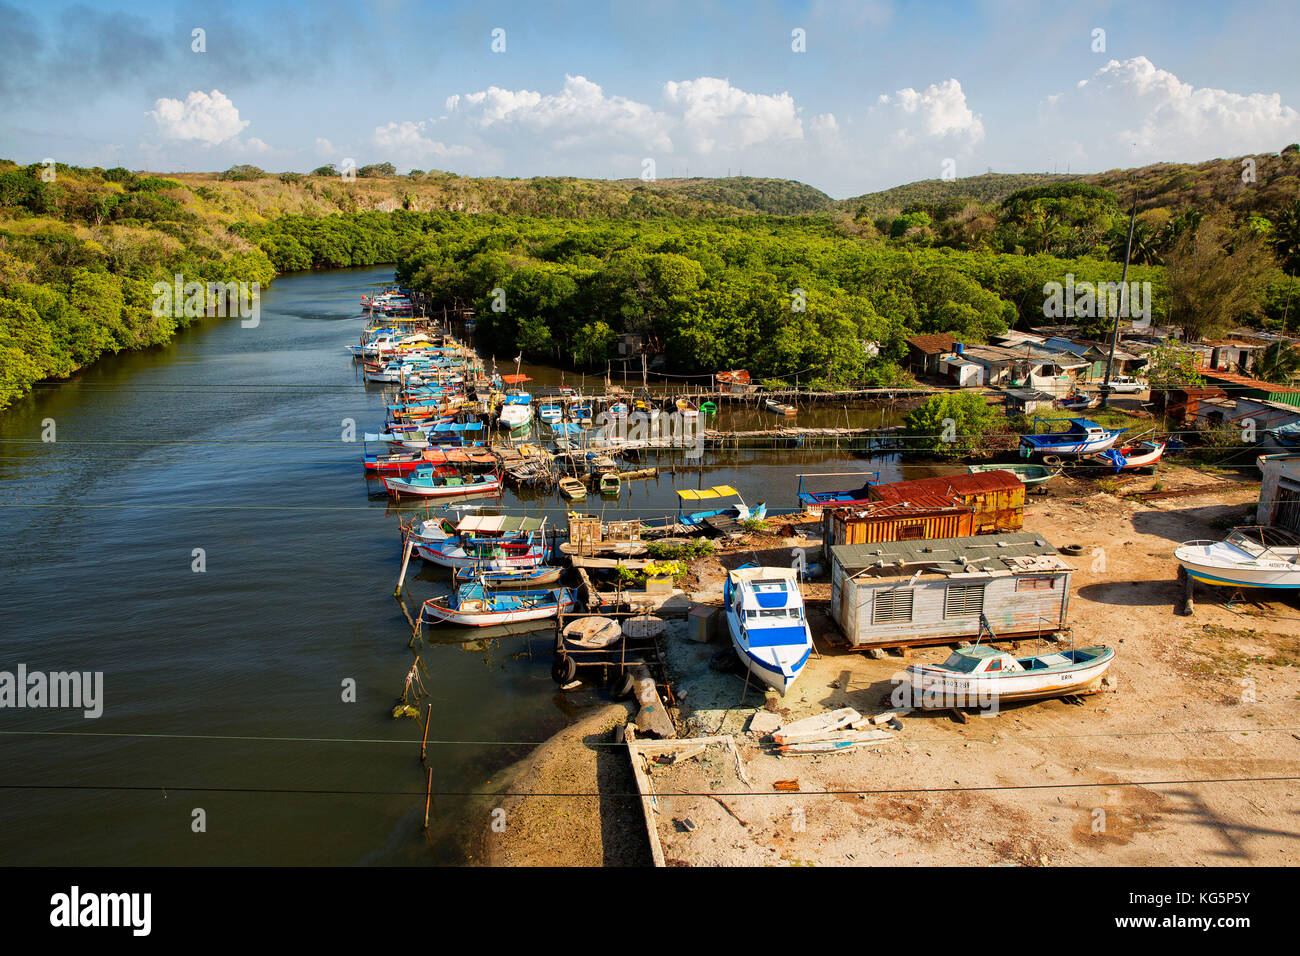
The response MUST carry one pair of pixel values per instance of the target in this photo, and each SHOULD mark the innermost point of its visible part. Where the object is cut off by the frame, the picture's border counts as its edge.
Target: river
(200, 534)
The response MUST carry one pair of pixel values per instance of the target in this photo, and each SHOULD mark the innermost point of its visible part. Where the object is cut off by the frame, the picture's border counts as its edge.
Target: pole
(1123, 303)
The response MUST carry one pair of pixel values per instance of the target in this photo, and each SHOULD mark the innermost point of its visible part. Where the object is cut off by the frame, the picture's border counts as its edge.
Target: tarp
(717, 491)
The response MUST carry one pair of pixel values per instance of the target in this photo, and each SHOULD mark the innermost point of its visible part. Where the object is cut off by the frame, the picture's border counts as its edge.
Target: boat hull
(778, 666)
(936, 688)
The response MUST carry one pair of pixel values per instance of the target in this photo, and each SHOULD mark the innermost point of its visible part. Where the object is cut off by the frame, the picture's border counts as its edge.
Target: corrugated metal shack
(923, 516)
(905, 593)
(996, 497)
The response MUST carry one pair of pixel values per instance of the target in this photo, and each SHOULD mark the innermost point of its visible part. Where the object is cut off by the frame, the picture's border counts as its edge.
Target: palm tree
(1285, 241)
(1279, 363)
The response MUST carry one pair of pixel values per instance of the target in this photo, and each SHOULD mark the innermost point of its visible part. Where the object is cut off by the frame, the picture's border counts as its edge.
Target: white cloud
(406, 141)
(208, 118)
(1149, 114)
(711, 113)
(325, 149)
(937, 113)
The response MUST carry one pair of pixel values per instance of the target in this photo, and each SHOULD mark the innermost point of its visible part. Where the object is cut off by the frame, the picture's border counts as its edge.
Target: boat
(765, 619)
(517, 410)
(1143, 454)
(1078, 402)
(474, 605)
(610, 484)
(686, 409)
(780, 408)
(814, 501)
(493, 554)
(709, 409)
(508, 577)
(551, 414)
(435, 481)
(1029, 474)
(572, 488)
(981, 675)
(1251, 556)
(1082, 437)
(734, 506)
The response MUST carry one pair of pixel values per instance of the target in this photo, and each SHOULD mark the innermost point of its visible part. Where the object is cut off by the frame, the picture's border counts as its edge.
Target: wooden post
(428, 796)
(428, 718)
(1188, 607)
(406, 558)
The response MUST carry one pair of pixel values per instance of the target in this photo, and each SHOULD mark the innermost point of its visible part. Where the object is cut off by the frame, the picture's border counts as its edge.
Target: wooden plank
(811, 728)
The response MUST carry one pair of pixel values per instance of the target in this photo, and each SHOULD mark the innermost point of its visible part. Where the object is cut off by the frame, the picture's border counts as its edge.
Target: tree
(1171, 364)
(1279, 363)
(1216, 278)
(951, 425)
(1285, 242)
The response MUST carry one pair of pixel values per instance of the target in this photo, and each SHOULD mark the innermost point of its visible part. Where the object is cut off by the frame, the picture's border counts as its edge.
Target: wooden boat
(686, 409)
(983, 676)
(1082, 437)
(610, 483)
(815, 501)
(780, 408)
(426, 482)
(1143, 454)
(1030, 474)
(494, 554)
(572, 488)
(474, 605)
(1250, 557)
(508, 577)
(765, 619)
(725, 501)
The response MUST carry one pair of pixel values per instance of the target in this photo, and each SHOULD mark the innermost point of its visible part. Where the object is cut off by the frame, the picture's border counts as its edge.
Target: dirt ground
(1169, 769)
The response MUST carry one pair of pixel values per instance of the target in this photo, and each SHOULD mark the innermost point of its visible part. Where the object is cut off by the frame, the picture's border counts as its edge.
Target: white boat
(475, 605)
(766, 622)
(490, 554)
(517, 410)
(1250, 557)
(1082, 437)
(983, 676)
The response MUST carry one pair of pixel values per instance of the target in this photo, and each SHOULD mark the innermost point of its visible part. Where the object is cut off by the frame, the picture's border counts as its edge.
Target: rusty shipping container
(926, 516)
(997, 498)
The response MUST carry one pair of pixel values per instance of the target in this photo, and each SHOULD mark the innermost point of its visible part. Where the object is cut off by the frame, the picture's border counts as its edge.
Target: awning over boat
(515, 379)
(498, 524)
(459, 456)
(717, 491)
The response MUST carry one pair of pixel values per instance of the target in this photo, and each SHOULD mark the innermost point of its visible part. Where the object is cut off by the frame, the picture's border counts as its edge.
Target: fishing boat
(686, 409)
(508, 577)
(400, 464)
(517, 410)
(572, 488)
(438, 481)
(1143, 454)
(1078, 402)
(780, 408)
(1029, 474)
(982, 675)
(474, 605)
(1082, 437)
(551, 413)
(723, 501)
(1250, 557)
(489, 553)
(815, 501)
(610, 484)
(765, 619)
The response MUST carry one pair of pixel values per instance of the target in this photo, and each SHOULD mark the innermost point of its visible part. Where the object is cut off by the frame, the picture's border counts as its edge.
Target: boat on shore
(1143, 454)
(725, 502)
(1082, 437)
(983, 676)
(766, 623)
(1250, 557)
(474, 605)
(815, 501)
(1030, 474)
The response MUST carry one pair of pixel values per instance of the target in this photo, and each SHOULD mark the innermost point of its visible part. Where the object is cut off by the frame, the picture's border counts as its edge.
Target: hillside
(985, 188)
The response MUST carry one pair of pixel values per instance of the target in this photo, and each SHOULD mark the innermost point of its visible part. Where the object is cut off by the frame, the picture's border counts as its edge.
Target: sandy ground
(1118, 778)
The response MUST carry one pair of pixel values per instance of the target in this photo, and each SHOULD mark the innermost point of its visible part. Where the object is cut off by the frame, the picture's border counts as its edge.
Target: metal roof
(973, 554)
(946, 486)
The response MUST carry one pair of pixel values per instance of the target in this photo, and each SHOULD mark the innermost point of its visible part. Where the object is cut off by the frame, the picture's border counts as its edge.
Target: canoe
(985, 677)
(1029, 474)
(572, 488)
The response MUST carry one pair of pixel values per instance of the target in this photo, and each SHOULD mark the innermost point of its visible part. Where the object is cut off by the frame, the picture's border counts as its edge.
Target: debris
(812, 728)
(764, 723)
(786, 786)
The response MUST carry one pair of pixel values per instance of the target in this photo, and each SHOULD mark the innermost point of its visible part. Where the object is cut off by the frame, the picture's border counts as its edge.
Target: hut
(906, 593)
(997, 498)
(1279, 494)
(735, 382)
(923, 516)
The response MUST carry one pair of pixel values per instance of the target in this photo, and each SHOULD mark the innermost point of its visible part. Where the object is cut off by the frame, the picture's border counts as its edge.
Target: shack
(923, 516)
(735, 382)
(1279, 495)
(997, 498)
(908, 593)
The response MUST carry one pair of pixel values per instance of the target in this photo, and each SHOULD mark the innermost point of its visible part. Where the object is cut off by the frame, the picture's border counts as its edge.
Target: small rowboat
(572, 488)
(508, 577)
(610, 484)
(685, 409)
(709, 409)
(426, 483)
(1029, 474)
(394, 464)
(473, 605)
(780, 408)
(986, 677)
(1143, 454)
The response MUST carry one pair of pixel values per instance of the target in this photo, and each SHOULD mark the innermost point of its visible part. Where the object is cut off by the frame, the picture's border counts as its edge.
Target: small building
(1279, 495)
(735, 382)
(961, 372)
(921, 517)
(996, 498)
(1182, 405)
(1026, 401)
(906, 593)
(1243, 386)
(925, 351)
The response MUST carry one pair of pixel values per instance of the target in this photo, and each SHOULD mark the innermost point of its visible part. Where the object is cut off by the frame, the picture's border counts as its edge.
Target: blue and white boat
(517, 410)
(551, 413)
(765, 618)
(1250, 557)
(1082, 437)
(474, 605)
(718, 501)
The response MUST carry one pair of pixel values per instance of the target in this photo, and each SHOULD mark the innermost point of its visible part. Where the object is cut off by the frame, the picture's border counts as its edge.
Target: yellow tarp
(717, 491)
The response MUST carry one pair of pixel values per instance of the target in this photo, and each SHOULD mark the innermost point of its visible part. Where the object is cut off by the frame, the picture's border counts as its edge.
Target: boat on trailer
(1251, 556)
(1082, 437)
(981, 676)
(1143, 454)
(766, 623)
(474, 605)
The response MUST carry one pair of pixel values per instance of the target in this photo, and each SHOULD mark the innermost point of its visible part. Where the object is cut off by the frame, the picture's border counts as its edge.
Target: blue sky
(883, 92)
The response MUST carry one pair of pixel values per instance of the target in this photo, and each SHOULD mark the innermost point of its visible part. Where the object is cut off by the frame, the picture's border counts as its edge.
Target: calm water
(223, 689)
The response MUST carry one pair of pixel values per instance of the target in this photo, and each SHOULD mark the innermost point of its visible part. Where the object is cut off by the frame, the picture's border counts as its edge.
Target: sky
(850, 97)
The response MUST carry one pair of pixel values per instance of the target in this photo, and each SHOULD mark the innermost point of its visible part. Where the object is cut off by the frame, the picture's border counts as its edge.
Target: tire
(563, 670)
(623, 687)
